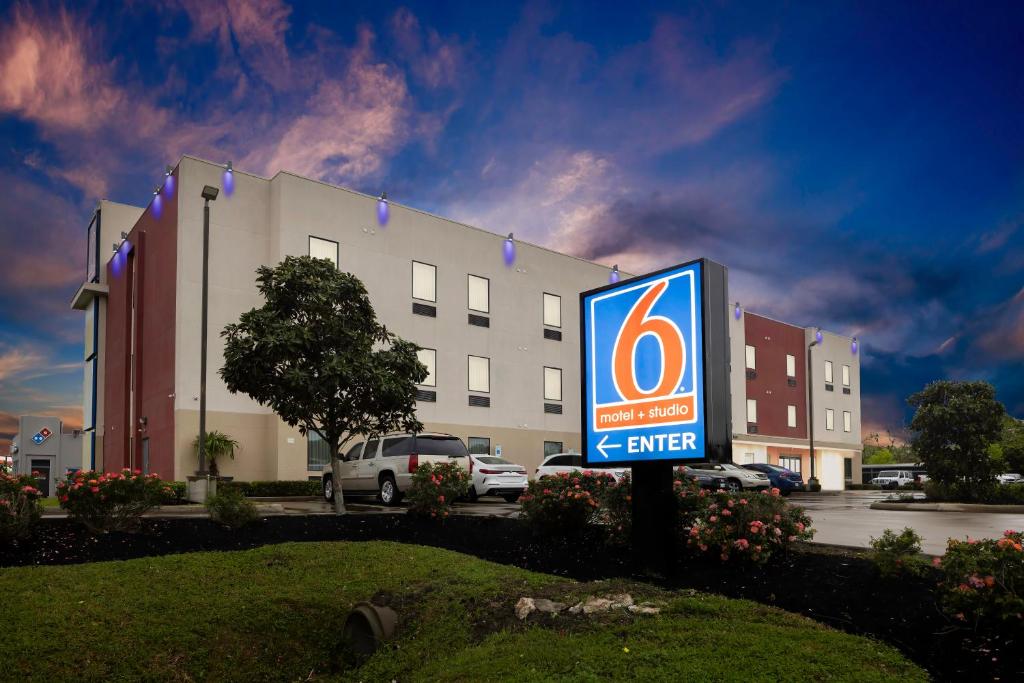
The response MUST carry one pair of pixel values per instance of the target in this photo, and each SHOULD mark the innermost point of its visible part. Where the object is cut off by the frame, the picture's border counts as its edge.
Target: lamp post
(209, 194)
(810, 399)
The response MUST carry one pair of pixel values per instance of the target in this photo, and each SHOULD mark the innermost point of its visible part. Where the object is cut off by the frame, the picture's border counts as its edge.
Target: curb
(949, 507)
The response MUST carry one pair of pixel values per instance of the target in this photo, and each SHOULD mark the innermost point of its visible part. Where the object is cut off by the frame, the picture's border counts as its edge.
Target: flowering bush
(568, 503)
(175, 493)
(615, 508)
(747, 526)
(110, 501)
(896, 554)
(435, 487)
(983, 581)
(20, 506)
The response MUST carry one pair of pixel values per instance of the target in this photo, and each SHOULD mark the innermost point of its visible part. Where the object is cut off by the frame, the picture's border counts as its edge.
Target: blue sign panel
(643, 369)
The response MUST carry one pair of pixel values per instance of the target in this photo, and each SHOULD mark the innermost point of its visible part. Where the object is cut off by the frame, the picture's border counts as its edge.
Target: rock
(548, 606)
(644, 609)
(576, 609)
(594, 604)
(621, 600)
(524, 607)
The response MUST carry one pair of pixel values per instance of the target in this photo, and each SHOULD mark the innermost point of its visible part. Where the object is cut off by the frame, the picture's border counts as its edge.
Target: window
(429, 358)
(790, 462)
(552, 447)
(846, 375)
(318, 453)
(751, 358)
(479, 294)
(552, 384)
(791, 416)
(402, 445)
(325, 249)
(479, 374)
(830, 419)
(370, 451)
(479, 445)
(552, 310)
(847, 420)
(828, 372)
(353, 453)
(754, 458)
(751, 410)
(790, 366)
(424, 281)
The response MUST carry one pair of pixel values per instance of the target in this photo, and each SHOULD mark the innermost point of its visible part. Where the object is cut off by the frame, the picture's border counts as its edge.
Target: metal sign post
(655, 390)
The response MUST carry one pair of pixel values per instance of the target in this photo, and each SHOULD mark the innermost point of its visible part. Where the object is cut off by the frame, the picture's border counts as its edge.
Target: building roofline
(409, 208)
(799, 327)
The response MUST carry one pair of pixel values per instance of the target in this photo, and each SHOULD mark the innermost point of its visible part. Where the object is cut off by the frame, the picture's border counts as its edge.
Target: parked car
(736, 478)
(785, 480)
(494, 476)
(1010, 478)
(572, 462)
(893, 479)
(383, 467)
(706, 479)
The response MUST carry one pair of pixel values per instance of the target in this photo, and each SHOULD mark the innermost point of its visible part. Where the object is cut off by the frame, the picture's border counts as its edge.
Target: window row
(830, 420)
(830, 416)
(481, 445)
(479, 375)
(751, 364)
(424, 284)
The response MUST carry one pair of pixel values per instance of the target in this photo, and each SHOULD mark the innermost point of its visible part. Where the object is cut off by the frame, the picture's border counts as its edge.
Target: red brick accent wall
(151, 269)
(773, 341)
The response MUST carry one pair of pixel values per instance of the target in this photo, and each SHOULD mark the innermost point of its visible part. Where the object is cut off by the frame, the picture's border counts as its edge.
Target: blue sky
(857, 166)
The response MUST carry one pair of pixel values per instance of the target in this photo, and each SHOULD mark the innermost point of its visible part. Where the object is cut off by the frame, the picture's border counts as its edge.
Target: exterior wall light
(509, 251)
(383, 212)
(613, 276)
(228, 180)
(737, 312)
(158, 203)
(818, 336)
(853, 346)
(169, 179)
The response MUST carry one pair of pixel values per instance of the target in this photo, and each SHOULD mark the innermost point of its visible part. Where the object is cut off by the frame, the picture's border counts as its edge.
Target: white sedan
(573, 462)
(494, 476)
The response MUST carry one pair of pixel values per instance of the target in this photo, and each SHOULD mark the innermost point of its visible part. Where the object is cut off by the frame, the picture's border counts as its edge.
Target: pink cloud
(435, 61)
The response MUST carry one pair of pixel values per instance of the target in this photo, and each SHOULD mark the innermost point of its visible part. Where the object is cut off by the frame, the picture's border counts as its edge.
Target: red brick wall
(773, 341)
(153, 262)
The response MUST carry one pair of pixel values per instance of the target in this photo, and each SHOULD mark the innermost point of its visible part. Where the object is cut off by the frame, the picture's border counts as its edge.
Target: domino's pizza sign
(42, 435)
(643, 369)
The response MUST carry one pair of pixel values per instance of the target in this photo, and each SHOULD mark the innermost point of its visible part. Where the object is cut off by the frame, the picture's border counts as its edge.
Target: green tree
(217, 444)
(952, 429)
(880, 456)
(317, 355)
(1012, 444)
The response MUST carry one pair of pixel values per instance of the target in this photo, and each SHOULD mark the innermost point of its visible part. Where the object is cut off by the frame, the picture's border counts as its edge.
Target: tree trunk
(339, 496)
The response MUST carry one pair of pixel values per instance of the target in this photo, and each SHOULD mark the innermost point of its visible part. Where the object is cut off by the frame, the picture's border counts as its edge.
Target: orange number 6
(673, 350)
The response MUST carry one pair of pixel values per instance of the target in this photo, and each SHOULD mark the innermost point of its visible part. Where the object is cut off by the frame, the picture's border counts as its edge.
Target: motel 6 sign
(644, 368)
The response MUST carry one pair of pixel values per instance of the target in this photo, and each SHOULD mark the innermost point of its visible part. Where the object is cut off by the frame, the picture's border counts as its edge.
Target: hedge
(274, 489)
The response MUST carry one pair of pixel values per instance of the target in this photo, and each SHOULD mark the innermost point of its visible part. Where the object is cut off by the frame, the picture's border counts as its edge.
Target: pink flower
(730, 502)
(742, 544)
(63, 499)
(800, 527)
(95, 489)
(136, 472)
(936, 562)
(440, 499)
(714, 518)
(791, 538)
(727, 513)
(743, 501)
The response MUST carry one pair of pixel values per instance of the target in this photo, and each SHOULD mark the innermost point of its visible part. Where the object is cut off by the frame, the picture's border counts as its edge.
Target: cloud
(17, 361)
(434, 61)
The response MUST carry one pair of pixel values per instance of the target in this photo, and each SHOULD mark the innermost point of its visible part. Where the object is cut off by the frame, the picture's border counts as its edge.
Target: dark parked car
(781, 478)
(713, 481)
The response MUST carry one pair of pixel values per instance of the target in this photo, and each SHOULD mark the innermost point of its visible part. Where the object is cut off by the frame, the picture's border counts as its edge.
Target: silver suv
(384, 466)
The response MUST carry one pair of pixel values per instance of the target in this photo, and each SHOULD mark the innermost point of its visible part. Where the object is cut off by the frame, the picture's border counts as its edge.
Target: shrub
(895, 554)
(746, 526)
(273, 489)
(983, 581)
(997, 494)
(615, 506)
(176, 493)
(566, 504)
(230, 508)
(110, 501)
(20, 506)
(690, 497)
(435, 487)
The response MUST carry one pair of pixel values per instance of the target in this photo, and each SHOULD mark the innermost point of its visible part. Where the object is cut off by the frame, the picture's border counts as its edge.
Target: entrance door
(41, 471)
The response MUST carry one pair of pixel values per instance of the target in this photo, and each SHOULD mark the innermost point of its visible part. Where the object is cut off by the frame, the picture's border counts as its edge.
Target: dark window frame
(412, 280)
(337, 248)
(478, 391)
(488, 281)
(557, 296)
(544, 378)
(469, 444)
(424, 383)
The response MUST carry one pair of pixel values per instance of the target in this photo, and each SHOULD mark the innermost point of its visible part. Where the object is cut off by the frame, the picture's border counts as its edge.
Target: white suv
(573, 462)
(384, 466)
(893, 479)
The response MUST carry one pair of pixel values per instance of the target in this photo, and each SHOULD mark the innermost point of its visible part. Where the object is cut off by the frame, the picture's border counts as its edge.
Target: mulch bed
(838, 588)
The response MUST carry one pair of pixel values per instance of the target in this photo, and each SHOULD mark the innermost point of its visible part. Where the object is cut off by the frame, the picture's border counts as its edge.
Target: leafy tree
(953, 427)
(1012, 444)
(316, 354)
(880, 456)
(217, 444)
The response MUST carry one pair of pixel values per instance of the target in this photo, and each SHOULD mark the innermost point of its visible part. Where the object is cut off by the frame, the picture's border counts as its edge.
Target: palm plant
(217, 444)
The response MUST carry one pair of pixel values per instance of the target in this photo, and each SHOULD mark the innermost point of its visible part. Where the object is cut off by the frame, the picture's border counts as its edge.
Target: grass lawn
(276, 613)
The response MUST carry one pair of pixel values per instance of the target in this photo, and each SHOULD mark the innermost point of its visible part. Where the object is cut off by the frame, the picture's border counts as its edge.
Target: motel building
(498, 320)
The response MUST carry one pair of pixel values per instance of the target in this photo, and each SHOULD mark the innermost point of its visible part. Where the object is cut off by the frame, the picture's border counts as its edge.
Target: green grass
(50, 502)
(276, 613)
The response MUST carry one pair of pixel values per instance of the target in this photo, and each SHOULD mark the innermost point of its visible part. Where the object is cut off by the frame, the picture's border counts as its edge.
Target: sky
(857, 166)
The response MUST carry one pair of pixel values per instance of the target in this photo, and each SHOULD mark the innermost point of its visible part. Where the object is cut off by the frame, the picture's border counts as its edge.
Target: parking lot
(841, 519)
